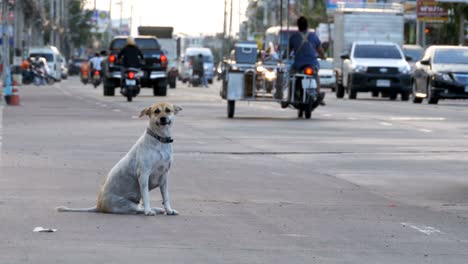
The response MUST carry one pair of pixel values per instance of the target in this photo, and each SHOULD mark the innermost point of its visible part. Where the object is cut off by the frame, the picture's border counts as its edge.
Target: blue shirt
(305, 52)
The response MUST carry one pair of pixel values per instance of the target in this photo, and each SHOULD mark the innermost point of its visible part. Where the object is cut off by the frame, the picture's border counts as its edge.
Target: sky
(192, 17)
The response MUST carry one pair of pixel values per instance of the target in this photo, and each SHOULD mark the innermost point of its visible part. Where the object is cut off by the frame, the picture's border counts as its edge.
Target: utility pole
(230, 19)
(6, 51)
(223, 43)
(52, 21)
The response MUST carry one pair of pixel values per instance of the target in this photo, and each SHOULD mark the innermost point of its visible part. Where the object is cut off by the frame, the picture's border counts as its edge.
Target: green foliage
(80, 29)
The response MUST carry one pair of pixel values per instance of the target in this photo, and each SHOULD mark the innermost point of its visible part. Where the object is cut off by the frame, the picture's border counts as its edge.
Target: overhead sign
(430, 11)
(100, 19)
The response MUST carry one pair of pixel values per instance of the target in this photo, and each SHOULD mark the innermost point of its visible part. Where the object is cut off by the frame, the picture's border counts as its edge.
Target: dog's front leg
(165, 197)
(144, 191)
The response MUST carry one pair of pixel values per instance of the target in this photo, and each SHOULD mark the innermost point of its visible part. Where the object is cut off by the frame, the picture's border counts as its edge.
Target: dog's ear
(177, 109)
(146, 111)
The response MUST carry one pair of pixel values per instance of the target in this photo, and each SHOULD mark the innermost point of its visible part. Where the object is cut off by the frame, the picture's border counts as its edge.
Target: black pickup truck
(154, 65)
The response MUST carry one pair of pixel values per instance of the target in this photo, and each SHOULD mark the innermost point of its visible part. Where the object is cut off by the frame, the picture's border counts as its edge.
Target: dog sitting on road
(143, 168)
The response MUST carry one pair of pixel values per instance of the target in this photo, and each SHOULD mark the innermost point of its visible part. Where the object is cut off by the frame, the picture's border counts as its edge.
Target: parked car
(326, 74)
(442, 73)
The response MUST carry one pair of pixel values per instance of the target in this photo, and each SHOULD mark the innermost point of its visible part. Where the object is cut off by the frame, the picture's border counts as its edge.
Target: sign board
(430, 11)
(100, 19)
(332, 4)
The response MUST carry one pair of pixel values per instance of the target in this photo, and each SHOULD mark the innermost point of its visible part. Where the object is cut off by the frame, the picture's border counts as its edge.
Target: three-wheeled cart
(247, 80)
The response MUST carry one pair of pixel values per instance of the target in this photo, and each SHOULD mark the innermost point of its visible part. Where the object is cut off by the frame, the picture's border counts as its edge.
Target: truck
(373, 24)
(154, 67)
(169, 46)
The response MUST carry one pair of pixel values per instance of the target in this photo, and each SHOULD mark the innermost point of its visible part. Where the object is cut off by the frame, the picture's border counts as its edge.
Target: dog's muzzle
(164, 121)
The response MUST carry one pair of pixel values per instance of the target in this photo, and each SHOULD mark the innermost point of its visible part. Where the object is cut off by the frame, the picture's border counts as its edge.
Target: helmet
(130, 41)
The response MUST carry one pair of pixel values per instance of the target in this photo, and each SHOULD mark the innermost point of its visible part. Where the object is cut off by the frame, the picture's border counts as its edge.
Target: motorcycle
(84, 77)
(96, 78)
(195, 79)
(130, 83)
(304, 95)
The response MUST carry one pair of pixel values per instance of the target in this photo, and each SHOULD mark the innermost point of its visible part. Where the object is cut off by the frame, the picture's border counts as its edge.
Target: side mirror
(425, 62)
(408, 58)
(344, 56)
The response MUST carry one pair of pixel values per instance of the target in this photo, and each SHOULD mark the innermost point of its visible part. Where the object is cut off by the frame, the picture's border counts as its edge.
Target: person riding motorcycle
(95, 62)
(307, 47)
(130, 55)
(199, 69)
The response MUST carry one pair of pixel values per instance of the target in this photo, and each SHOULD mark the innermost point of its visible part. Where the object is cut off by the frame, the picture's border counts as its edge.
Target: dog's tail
(66, 209)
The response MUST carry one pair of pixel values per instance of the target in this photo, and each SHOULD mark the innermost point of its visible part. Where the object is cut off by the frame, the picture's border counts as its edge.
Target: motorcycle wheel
(308, 110)
(300, 113)
(129, 97)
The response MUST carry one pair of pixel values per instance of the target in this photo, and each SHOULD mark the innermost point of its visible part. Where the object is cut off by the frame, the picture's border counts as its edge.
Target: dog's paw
(171, 212)
(158, 210)
(150, 212)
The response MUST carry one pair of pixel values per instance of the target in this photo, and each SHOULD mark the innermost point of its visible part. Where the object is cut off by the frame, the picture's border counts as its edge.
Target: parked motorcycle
(96, 78)
(130, 83)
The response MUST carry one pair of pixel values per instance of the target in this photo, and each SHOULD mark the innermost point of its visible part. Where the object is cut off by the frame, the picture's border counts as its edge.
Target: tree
(78, 23)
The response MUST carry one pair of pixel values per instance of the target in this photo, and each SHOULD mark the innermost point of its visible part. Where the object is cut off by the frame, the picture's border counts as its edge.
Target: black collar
(161, 139)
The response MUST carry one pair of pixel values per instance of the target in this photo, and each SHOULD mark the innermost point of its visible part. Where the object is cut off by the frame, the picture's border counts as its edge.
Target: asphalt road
(363, 181)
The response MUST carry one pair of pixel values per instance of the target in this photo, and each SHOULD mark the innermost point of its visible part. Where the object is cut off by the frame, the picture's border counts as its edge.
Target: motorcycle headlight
(270, 75)
(405, 69)
(359, 68)
(443, 76)
(260, 69)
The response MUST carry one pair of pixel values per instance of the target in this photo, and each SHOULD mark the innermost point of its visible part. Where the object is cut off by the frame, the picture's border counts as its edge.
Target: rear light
(112, 58)
(308, 71)
(131, 75)
(163, 60)
(96, 73)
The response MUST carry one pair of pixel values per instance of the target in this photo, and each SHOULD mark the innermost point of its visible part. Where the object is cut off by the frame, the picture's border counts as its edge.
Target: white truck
(367, 51)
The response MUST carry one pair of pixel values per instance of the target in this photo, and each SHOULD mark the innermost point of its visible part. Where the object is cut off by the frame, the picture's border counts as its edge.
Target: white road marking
(386, 124)
(116, 110)
(416, 118)
(425, 130)
(352, 118)
(293, 235)
(135, 117)
(327, 115)
(428, 230)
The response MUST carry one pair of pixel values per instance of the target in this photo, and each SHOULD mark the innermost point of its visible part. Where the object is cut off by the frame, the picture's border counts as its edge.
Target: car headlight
(443, 76)
(359, 68)
(406, 69)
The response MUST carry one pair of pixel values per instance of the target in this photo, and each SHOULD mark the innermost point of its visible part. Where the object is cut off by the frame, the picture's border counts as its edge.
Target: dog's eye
(157, 111)
(168, 110)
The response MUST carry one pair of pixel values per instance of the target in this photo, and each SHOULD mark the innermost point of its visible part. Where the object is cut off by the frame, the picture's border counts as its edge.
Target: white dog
(142, 169)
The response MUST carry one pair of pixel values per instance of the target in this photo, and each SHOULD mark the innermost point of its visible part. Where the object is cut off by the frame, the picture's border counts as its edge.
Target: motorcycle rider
(198, 68)
(307, 47)
(95, 63)
(131, 56)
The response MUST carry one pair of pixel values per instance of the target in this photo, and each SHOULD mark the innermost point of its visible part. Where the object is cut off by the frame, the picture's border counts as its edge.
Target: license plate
(308, 83)
(383, 83)
(96, 76)
(130, 82)
(466, 88)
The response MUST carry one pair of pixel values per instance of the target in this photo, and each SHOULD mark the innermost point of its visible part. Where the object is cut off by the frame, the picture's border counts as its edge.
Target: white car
(326, 74)
(377, 67)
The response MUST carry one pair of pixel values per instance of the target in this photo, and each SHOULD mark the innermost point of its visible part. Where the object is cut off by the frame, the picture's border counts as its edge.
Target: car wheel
(375, 94)
(352, 93)
(231, 106)
(393, 96)
(431, 98)
(340, 91)
(405, 95)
